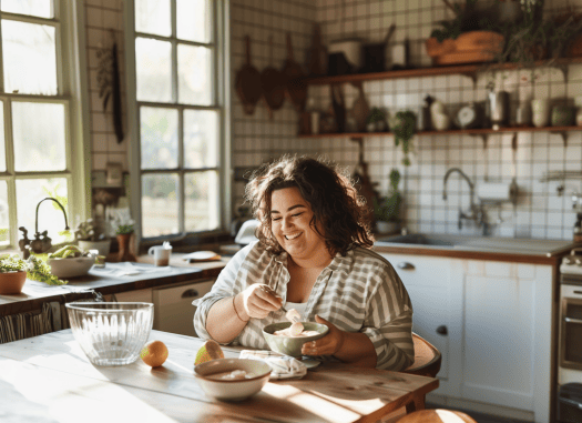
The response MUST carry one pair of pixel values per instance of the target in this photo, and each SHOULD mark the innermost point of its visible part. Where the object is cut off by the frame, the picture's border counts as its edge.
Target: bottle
(578, 228)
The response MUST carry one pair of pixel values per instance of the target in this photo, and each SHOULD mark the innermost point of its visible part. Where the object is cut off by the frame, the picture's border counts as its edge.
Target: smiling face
(291, 219)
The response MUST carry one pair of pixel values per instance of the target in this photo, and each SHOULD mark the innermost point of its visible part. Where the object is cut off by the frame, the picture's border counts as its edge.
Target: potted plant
(124, 234)
(90, 239)
(14, 271)
(469, 37)
(376, 121)
(403, 125)
(387, 209)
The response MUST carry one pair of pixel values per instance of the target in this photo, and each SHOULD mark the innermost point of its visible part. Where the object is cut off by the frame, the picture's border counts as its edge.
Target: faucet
(38, 245)
(475, 212)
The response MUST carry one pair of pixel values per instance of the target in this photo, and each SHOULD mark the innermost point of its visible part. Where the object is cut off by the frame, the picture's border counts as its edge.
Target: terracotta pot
(12, 282)
(126, 249)
(487, 41)
(435, 48)
(575, 48)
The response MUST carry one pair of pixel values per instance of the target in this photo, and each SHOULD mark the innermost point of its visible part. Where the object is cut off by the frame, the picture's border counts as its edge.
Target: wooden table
(49, 379)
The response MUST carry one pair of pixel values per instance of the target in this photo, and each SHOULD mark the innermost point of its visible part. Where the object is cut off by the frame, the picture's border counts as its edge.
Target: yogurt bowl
(291, 345)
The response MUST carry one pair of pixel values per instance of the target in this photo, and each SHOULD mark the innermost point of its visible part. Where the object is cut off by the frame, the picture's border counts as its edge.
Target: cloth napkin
(282, 366)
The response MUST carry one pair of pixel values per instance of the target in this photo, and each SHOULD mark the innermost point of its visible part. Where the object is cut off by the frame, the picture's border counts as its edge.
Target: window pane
(4, 223)
(40, 8)
(159, 138)
(153, 62)
(153, 17)
(200, 138)
(28, 51)
(201, 192)
(195, 82)
(50, 217)
(159, 205)
(194, 20)
(39, 144)
(2, 141)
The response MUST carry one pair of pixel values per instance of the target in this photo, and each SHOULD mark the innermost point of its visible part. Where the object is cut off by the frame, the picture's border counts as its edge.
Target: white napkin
(282, 366)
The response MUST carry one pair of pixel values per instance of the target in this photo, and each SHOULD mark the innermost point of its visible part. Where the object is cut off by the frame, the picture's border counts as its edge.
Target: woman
(312, 255)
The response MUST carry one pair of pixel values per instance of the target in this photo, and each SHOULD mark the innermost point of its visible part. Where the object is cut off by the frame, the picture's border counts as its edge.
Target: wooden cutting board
(273, 84)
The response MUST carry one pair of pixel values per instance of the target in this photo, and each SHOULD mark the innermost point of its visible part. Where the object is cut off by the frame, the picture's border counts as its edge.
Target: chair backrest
(427, 359)
(436, 416)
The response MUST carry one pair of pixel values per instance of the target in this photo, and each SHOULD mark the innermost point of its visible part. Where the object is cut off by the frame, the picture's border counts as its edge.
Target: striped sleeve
(388, 322)
(223, 287)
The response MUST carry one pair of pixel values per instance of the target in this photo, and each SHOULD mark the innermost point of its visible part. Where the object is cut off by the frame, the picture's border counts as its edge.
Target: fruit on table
(154, 353)
(209, 351)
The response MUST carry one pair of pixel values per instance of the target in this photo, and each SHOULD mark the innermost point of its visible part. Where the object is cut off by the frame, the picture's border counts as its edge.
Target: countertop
(113, 278)
(483, 248)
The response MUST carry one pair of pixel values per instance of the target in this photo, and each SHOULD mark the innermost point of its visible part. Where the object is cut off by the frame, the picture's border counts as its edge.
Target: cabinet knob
(191, 293)
(442, 330)
(404, 265)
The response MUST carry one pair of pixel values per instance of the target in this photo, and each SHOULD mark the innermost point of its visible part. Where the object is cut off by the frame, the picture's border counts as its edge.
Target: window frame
(222, 104)
(72, 83)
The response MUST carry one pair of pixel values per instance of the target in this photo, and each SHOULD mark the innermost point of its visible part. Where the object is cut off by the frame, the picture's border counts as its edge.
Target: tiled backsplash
(540, 213)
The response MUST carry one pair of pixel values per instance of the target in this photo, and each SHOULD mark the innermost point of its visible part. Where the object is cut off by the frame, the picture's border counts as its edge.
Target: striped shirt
(360, 292)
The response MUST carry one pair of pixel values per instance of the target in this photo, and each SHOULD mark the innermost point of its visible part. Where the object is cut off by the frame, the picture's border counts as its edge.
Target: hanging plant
(404, 127)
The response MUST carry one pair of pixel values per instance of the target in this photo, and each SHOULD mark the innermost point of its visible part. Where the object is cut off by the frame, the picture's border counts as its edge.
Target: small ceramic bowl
(291, 345)
(71, 267)
(232, 389)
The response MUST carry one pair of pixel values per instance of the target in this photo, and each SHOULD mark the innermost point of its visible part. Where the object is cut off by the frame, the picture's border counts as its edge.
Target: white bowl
(71, 267)
(111, 334)
(232, 390)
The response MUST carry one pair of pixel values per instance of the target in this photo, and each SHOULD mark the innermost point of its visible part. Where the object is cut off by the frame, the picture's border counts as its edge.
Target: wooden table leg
(416, 404)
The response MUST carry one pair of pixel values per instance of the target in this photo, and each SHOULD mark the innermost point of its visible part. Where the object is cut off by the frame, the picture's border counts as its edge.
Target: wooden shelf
(476, 132)
(468, 70)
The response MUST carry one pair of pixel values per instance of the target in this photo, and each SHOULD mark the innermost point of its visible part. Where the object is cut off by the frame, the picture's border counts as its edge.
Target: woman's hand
(330, 344)
(259, 300)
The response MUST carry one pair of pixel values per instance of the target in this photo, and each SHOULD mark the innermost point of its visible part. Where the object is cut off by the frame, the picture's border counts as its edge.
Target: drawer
(420, 270)
(174, 311)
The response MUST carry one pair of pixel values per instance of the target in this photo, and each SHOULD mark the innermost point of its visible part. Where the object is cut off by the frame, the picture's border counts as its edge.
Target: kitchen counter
(112, 279)
(478, 248)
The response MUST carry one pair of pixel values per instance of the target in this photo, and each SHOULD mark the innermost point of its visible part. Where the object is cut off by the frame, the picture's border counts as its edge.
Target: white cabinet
(498, 320)
(427, 280)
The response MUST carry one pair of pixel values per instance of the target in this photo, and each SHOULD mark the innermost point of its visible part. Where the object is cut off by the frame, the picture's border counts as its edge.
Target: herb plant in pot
(14, 271)
(387, 209)
(376, 121)
(124, 234)
(90, 239)
(466, 38)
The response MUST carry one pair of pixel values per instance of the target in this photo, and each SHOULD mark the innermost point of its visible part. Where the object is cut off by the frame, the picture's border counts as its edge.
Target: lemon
(154, 353)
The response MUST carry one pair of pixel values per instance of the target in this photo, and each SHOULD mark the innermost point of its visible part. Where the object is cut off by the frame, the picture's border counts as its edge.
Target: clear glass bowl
(111, 334)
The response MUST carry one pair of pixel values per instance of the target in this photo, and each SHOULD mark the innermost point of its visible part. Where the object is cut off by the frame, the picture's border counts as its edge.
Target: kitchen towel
(497, 192)
(282, 366)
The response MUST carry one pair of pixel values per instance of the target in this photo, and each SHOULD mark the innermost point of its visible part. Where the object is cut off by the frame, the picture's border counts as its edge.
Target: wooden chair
(427, 359)
(427, 362)
(436, 416)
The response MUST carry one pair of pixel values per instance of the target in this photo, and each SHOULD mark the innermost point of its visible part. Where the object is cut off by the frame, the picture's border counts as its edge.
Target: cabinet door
(138, 296)
(427, 281)
(506, 335)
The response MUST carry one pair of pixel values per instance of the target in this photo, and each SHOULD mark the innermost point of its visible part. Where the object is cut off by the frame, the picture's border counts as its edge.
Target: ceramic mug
(161, 255)
(540, 112)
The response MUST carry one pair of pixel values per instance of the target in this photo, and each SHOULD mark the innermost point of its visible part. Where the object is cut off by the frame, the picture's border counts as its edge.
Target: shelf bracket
(563, 135)
(473, 76)
(564, 69)
(484, 138)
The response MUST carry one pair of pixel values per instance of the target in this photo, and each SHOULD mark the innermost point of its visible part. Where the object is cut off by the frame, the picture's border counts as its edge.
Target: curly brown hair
(337, 207)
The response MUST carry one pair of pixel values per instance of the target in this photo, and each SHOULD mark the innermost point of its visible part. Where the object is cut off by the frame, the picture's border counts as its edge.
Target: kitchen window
(41, 145)
(176, 56)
